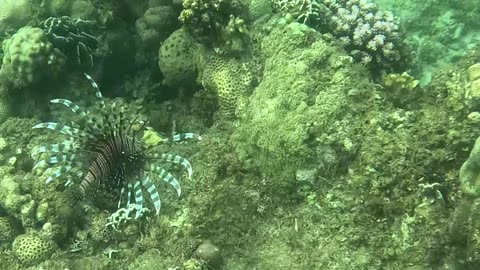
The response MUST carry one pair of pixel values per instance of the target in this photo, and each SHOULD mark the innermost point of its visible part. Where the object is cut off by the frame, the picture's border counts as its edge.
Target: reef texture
(320, 148)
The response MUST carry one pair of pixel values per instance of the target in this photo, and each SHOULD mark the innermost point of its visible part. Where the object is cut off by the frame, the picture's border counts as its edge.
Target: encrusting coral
(30, 57)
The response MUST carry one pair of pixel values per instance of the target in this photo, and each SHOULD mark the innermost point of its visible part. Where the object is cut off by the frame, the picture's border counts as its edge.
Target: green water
(239, 134)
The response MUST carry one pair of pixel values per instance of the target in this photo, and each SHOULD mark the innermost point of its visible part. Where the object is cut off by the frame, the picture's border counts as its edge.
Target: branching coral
(73, 37)
(371, 36)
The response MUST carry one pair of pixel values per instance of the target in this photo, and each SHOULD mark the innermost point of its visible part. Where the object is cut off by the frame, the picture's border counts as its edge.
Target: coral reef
(7, 230)
(259, 8)
(316, 158)
(470, 172)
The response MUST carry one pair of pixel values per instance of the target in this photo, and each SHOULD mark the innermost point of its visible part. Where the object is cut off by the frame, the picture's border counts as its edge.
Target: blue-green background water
(335, 134)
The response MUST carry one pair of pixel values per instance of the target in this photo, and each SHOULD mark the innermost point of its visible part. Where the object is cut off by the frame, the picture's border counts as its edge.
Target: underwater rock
(176, 59)
(156, 25)
(474, 72)
(7, 230)
(209, 253)
(470, 172)
(83, 10)
(14, 14)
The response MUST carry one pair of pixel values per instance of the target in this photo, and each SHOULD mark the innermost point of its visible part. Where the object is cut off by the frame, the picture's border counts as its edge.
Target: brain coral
(228, 79)
(31, 249)
(29, 57)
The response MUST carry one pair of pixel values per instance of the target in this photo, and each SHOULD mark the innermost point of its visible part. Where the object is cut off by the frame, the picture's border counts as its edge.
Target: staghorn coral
(32, 249)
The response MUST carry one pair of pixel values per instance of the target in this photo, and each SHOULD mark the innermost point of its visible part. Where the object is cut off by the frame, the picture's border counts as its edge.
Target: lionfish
(116, 158)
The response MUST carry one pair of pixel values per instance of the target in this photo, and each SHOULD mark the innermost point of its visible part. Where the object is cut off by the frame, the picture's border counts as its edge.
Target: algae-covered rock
(14, 14)
(470, 172)
(156, 25)
(7, 230)
(31, 249)
(297, 112)
(176, 58)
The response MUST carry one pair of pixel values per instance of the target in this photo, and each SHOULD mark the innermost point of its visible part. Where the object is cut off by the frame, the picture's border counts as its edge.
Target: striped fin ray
(77, 173)
(138, 199)
(50, 160)
(186, 136)
(122, 195)
(58, 171)
(60, 158)
(168, 177)
(152, 191)
(177, 160)
(118, 117)
(98, 94)
(72, 106)
(80, 112)
(57, 127)
(63, 147)
(129, 194)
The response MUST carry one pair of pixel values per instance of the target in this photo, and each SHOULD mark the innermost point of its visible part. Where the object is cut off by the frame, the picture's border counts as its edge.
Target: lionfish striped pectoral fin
(63, 147)
(186, 136)
(57, 127)
(52, 160)
(169, 178)
(138, 199)
(72, 106)
(57, 172)
(177, 160)
(152, 191)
